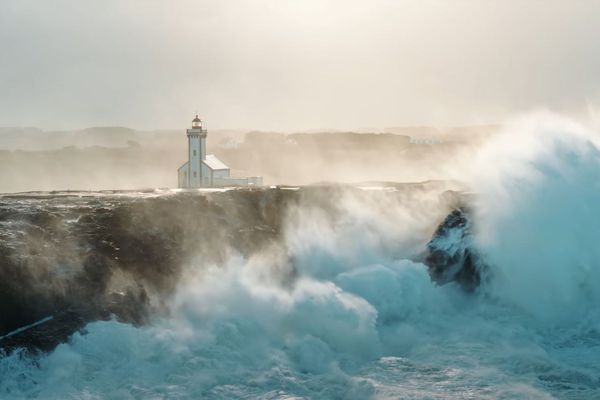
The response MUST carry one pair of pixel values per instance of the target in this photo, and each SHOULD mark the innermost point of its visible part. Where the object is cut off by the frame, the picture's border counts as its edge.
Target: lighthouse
(206, 170)
(196, 154)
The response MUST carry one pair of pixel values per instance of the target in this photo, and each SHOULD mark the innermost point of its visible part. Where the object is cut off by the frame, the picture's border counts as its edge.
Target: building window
(194, 174)
(194, 153)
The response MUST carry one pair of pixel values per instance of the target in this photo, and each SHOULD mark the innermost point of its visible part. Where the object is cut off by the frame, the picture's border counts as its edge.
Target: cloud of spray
(538, 188)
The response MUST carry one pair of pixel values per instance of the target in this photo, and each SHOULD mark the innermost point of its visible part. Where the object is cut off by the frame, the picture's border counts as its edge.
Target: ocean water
(357, 319)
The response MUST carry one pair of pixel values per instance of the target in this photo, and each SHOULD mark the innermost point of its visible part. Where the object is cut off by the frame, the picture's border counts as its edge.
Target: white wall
(182, 176)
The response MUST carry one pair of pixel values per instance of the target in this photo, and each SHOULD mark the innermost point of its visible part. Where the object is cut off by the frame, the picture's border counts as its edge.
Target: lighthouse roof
(214, 163)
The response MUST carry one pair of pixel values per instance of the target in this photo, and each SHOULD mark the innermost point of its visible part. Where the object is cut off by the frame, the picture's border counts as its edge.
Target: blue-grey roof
(214, 163)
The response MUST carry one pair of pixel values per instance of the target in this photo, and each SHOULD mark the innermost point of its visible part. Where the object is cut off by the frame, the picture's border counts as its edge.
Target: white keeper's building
(206, 170)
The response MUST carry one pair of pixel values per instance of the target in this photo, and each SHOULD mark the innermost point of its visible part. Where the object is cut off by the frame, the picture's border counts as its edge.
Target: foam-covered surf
(336, 304)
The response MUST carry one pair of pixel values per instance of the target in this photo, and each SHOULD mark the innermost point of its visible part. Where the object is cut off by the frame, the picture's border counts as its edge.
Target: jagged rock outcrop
(451, 255)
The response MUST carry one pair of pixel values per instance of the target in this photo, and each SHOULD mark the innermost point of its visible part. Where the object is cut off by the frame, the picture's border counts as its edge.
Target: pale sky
(294, 65)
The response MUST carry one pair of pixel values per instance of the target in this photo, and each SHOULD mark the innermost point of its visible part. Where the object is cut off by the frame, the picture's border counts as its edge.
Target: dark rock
(100, 255)
(45, 336)
(451, 256)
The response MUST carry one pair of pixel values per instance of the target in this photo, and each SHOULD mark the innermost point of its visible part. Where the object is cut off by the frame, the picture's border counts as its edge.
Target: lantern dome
(196, 122)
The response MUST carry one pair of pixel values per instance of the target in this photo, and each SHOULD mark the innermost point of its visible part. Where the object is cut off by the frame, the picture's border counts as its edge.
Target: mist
(263, 73)
(117, 158)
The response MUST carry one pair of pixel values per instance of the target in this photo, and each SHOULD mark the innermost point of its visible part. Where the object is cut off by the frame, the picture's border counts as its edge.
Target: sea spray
(538, 217)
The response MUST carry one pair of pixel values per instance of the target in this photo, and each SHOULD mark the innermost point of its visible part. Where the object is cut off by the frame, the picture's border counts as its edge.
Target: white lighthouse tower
(196, 154)
(206, 170)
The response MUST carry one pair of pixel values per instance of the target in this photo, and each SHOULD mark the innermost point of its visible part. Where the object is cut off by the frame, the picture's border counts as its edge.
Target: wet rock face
(82, 258)
(451, 256)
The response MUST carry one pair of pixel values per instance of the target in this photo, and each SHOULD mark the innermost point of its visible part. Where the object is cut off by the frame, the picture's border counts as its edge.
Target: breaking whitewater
(487, 287)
